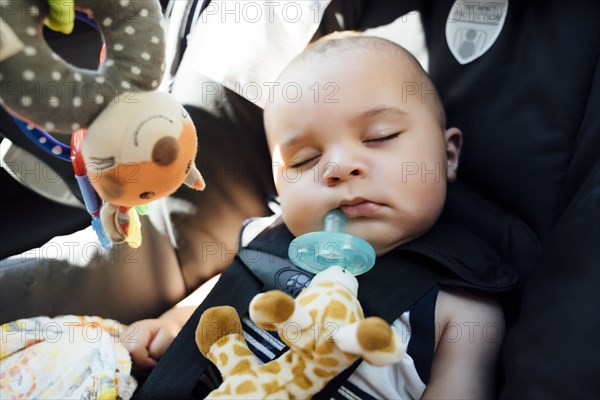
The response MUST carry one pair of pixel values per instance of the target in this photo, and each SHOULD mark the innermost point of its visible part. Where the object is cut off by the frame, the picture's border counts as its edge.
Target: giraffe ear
(194, 179)
(373, 339)
(276, 307)
(215, 323)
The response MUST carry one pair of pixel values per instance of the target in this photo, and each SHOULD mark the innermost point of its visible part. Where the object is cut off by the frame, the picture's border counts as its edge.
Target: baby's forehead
(357, 49)
(370, 59)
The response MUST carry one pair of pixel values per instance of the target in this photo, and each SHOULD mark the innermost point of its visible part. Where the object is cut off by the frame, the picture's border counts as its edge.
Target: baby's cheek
(300, 213)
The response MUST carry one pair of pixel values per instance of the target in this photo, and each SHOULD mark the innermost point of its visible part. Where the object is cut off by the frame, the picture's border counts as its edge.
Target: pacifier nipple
(317, 251)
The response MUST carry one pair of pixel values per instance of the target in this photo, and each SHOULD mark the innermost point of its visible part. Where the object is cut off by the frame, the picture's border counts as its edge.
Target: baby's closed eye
(382, 139)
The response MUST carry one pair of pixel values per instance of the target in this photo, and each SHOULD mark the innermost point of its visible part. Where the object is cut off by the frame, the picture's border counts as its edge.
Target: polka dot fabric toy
(138, 144)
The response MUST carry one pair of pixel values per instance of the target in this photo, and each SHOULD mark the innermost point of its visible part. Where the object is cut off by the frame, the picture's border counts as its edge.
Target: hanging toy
(137, 144)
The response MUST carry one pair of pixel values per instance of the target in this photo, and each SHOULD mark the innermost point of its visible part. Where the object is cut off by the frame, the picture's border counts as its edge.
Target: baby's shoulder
(460, 313)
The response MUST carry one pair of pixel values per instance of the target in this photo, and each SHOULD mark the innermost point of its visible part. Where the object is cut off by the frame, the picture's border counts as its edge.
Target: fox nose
(165, 151)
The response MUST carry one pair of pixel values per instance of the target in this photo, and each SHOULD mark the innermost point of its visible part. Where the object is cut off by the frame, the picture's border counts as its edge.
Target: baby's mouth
(359, 207)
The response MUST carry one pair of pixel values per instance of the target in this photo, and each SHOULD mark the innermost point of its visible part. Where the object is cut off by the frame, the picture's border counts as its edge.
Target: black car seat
(529, 184)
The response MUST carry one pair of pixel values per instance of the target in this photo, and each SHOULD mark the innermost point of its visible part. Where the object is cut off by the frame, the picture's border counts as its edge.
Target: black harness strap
(180, 368)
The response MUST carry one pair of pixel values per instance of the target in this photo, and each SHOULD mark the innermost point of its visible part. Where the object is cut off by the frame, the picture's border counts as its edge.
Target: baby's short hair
(340, 42)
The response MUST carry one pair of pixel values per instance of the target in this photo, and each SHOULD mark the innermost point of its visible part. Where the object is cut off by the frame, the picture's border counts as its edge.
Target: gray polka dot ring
(139, 144)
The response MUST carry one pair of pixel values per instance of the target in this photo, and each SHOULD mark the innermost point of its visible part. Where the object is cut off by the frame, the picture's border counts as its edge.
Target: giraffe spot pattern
(326, 347)
(337, 310)
(326, 284)
(303, 381)
(306, 300)
(271, 368)
(242, 367)
(245, 387)
(241, 351)
(328, 361)
(223, 341)
(344, 293)
(223, 359)
(299, 367)
(271, 387)
(322, 373)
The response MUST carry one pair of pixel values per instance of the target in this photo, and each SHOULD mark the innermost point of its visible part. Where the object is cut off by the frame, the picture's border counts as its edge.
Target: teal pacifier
(317, 251)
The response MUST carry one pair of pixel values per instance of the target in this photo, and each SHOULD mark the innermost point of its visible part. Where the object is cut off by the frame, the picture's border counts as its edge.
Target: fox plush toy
(139, 144)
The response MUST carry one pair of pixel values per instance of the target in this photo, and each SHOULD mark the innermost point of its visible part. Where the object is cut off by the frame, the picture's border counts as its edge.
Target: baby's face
(358, 140)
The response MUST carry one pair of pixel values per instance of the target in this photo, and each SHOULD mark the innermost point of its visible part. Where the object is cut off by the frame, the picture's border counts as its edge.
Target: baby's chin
(384, 244)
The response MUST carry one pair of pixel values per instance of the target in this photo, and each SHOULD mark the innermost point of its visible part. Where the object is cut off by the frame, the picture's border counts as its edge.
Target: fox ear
(194, 179)
(108, 216)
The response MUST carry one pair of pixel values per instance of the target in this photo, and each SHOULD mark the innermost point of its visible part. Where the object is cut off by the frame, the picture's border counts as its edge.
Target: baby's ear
(453, 137)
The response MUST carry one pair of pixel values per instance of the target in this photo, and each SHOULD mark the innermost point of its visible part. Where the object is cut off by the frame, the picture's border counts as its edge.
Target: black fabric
(32, 219)
(180, 368)
(553, 351)
(509, 236)
(28, 220)
(521, 105)
(422, 333)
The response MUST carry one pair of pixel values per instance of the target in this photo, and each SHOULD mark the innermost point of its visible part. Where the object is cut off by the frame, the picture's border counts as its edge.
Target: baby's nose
(336, 173)
(165, 151)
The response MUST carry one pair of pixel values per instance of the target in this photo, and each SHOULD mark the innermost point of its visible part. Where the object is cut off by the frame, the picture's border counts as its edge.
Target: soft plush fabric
(67, 357)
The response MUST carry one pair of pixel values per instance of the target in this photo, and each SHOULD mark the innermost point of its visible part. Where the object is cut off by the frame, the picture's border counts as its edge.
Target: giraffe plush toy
(324, 328)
